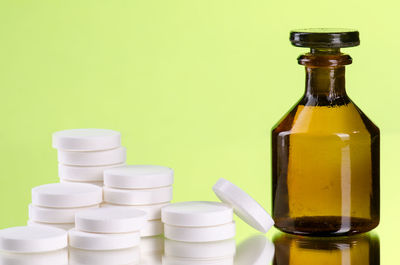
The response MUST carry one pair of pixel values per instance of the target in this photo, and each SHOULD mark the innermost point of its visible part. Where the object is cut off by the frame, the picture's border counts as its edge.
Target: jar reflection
(362, 249)
(255, 250)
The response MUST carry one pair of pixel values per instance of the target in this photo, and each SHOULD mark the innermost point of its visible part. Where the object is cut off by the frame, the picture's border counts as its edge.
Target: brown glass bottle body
(325, 157)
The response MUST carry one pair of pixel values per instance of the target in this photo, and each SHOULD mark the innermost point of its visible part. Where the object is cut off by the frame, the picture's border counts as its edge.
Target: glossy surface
(283, 249)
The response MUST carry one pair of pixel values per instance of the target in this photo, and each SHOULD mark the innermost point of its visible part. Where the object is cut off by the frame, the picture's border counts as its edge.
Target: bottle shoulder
(345, 120)
(285, 123)
(369, 124)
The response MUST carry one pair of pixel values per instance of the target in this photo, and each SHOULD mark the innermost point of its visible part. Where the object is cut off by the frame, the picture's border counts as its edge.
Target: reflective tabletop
(283, 249)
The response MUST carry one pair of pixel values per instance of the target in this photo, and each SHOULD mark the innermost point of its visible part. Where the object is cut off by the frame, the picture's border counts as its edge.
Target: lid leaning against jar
(248, 209)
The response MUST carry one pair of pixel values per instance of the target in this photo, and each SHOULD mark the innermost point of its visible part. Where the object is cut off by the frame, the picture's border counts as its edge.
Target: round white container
(152, 228)
(93, 241)
(66, 195)
(86, 139)
(200, 234)
(65, 227)
(83, 174)
(197, 214)
(137, 197)
(110, 220)
(31, 239)
(93, 158)
(247, 208)
(139, 177)
(153, 211)
(58, 257)
(55, 215)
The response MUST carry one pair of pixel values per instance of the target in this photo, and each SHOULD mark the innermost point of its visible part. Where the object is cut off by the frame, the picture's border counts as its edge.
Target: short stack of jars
(106, 236)
(28, 245)
(200, 232)
(83, 154)
(56, 204)
(143, 187)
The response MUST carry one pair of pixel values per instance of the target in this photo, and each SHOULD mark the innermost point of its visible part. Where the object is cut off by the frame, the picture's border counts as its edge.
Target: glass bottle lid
(325, 38)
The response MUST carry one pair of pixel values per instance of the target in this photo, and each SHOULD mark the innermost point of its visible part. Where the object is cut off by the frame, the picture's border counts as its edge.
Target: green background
(193, 84)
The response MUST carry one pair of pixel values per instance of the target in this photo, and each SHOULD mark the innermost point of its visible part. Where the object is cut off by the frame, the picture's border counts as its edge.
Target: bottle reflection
(355, 250)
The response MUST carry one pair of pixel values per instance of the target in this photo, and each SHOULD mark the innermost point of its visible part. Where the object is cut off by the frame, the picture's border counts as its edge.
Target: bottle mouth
(331, 57)
(325, 38)
(324, 44)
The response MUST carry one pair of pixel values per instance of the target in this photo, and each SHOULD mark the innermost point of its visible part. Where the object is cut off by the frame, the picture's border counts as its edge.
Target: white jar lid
(105, 257)
(168, 260)
(57, 257)
(152, 228)
(248, 209)
(79, 173)
(138, 177)
(200, 234)
(93, 158)
(138, 197)
(66, 195)
(66, 226)
(197, 214)
(94, 241)
(110, 220)
(55, 215)
(206, 250)
(153, 211)
(31, 239)
(86, 139)
(256, 250)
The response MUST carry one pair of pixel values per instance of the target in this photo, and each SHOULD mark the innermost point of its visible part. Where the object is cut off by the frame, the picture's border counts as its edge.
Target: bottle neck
(325, 82)
(325, 78)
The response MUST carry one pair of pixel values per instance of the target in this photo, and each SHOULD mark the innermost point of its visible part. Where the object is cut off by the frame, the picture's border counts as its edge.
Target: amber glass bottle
(361, 249)
(325, 151)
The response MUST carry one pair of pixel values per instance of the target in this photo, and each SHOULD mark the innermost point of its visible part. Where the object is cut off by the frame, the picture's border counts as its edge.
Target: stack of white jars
(83, 154)
(198, 231)
(106, 236)
(25, 245)
(143, 187)
(56, 204)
